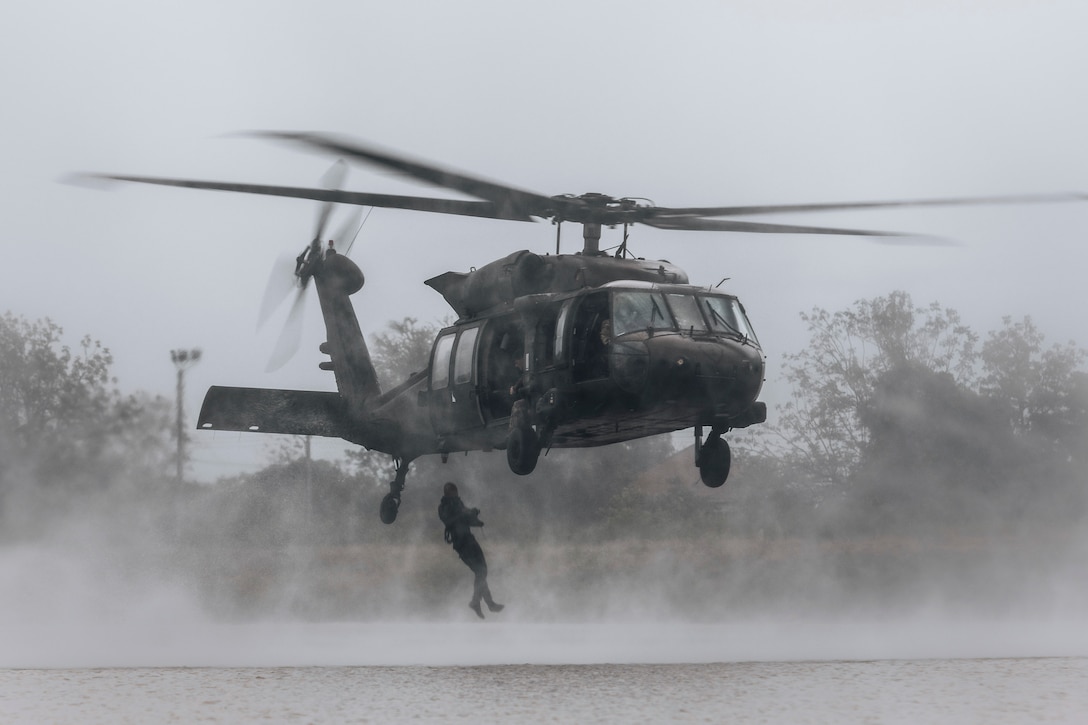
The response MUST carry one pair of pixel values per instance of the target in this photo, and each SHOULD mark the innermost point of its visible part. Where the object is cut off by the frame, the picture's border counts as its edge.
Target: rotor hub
(596, 208)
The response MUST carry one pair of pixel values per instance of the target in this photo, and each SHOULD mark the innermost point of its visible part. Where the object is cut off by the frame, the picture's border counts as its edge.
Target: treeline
(906, 416)
(67, 432)
(901, 418)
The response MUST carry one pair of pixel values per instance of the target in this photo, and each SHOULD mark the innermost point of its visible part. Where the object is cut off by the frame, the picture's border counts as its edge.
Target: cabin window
(726, 315)
(440, 365)
(633, 311)
(462, 360)
(686, 310)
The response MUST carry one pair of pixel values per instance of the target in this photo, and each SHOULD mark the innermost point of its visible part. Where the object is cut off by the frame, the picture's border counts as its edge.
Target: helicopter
(547, 351)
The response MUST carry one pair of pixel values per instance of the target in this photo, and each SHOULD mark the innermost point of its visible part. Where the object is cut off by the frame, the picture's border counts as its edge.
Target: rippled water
(930, 691)
(636, 671)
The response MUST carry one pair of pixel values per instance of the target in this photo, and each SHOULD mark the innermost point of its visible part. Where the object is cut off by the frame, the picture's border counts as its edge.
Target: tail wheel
(714, 462)
(522, 450)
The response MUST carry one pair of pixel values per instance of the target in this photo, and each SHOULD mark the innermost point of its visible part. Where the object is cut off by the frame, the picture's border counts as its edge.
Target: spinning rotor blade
(605, 210)
(349, 230)
(659, 212)
(482, 209)
(280, 283)
(500, 201)
(697, 223)
(332, 180)
(290, 338)
(512, 202)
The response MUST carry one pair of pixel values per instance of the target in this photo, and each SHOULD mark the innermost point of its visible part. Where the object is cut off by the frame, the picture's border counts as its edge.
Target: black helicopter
(548, 351)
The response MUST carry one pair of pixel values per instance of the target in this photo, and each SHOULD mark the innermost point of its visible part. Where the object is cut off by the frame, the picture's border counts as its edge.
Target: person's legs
(479, 585)
(473, 556)
(481, 590)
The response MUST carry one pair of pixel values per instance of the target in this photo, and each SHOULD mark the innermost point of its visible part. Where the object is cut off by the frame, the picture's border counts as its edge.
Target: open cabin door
(590, 337)
(501, 350)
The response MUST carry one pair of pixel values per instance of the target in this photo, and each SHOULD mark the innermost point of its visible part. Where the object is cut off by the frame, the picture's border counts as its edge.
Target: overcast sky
(685, 103)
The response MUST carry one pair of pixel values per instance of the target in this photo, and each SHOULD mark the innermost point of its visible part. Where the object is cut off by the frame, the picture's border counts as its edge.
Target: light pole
(183, 360)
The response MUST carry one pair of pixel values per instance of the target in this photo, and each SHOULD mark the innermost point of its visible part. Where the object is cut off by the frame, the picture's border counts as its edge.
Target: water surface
(959, 671)
(907, 691)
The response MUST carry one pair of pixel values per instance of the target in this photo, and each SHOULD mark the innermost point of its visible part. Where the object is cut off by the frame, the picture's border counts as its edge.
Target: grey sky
(686, 103)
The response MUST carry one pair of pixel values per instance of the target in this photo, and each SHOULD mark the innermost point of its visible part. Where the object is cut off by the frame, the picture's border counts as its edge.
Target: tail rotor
(290, 338)
(293, 273)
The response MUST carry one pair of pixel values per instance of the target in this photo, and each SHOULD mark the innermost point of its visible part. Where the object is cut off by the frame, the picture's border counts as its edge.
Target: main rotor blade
(332, 179)
(659, 212)
(483, 209)
(509, 200)
(696, 223)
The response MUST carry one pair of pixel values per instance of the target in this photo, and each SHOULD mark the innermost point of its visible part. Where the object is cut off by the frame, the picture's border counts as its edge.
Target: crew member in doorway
(459, 521)
(519, 393)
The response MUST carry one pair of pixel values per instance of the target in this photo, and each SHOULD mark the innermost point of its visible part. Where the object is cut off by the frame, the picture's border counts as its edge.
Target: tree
(897, 401)
(1038, 388)
(403, 350)
(821, 430)
(925, 428)
(62, 419)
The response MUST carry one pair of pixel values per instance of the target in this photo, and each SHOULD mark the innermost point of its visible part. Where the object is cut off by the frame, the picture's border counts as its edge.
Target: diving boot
(475, 606)
(494, 607)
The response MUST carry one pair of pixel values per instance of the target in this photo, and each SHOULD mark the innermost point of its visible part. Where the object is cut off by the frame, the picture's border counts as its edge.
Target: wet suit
(458, 521)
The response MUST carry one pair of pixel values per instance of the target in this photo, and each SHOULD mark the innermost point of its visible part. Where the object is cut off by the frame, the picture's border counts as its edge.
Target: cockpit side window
(686, 311)
(633, 311)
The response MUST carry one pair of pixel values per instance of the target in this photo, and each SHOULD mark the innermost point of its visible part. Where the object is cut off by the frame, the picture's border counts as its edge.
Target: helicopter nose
(724, 374)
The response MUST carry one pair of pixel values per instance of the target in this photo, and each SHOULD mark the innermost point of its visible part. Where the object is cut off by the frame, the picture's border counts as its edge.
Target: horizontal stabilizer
(262, 410)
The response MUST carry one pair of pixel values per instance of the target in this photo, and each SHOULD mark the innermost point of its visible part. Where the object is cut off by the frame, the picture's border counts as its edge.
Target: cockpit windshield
(725, 314)
(686, 310)
(633, 311)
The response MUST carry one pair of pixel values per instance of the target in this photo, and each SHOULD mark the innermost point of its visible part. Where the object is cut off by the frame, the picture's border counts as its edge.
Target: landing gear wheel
(391, 502)
(522, 450)
(714, 461)
(390, 506)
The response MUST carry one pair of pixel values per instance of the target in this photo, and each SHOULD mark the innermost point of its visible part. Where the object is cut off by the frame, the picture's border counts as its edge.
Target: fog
(696, 103)
(158, 579)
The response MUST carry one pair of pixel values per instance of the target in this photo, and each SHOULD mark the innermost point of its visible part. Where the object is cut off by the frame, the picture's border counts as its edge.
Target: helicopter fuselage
(625, 359)
(597, 366)
(638, 354)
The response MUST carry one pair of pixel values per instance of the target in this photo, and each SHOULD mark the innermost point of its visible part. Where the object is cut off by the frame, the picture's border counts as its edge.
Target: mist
(956, 530)
(609, 555)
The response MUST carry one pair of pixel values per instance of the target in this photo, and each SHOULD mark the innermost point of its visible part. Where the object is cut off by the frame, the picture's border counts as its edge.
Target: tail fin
(337, 278)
